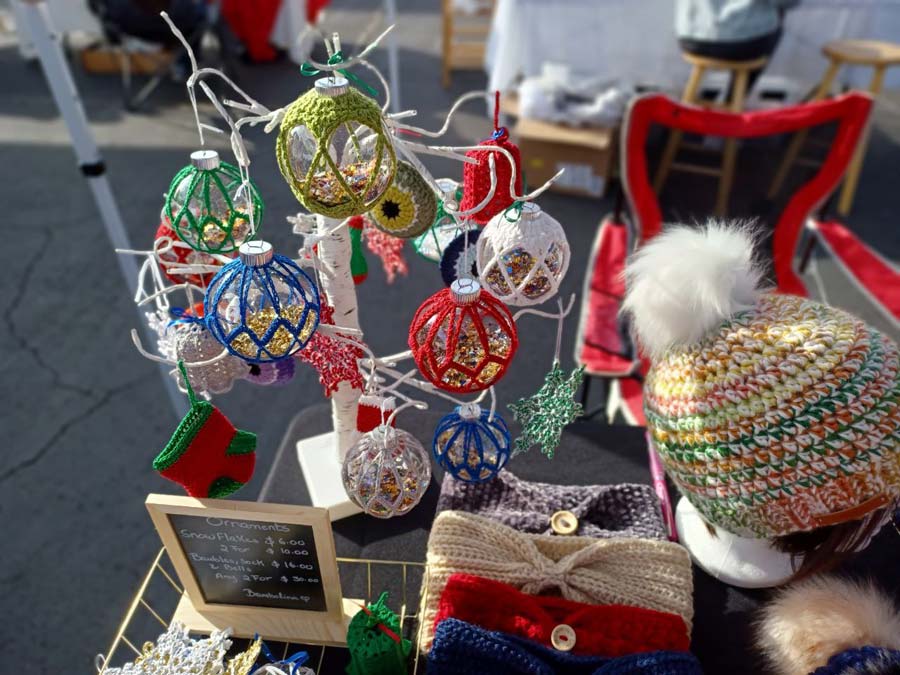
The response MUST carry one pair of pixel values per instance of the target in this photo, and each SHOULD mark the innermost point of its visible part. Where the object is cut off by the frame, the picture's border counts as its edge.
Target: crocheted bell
(262, 306)
(333, 150)
(445, 228)
(210, 206)
(374, 641)
(271, 373)
(462, 338)
(471, 444)
(477, 176)
(373, 410)
(192, 343)
(522, 255)
(386, 472)
(172, 252)
(206, 454)
(408, 207)
(458, 260)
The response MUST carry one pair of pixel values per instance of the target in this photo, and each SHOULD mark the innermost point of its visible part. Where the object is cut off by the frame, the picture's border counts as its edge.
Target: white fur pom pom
(808, 623)
(684, 282)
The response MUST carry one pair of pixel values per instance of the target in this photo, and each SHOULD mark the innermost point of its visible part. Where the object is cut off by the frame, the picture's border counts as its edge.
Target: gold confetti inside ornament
(522, 255)
(386, 472)
(408, 207)
(334, 151)
(544, 414)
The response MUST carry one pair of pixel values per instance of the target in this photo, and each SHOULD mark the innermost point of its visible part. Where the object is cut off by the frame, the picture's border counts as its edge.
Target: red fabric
(441, 313)
(252, 22)
(477, 177)
(205, 460)
(182, 255)
(600, 630)
(601, 349)
(850, 112)
(872, 272)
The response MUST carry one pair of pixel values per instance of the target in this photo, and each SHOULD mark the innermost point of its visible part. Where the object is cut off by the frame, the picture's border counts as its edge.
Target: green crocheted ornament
(374, 641)
(209, 208)
(408, 207)
(333, 150)
(545, 414)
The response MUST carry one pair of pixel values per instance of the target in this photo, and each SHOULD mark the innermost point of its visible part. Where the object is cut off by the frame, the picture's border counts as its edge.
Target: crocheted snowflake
(544, 414)
(335, 359)
(388, 248)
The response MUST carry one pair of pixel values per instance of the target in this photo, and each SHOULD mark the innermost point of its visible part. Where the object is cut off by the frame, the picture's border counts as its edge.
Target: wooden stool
(877, 55)
(740, 71)
(464, 38)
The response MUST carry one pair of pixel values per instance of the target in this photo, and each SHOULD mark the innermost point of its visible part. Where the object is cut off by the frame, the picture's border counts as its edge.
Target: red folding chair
(849, 113)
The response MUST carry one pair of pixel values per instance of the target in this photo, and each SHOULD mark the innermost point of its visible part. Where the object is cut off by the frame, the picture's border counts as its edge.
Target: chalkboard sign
(254, 567)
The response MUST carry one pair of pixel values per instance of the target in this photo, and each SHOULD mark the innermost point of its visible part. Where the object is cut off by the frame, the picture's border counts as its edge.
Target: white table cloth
(634, 40)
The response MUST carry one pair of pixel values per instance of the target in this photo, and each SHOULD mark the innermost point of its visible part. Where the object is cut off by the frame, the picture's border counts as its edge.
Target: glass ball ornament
(386, 472)
(210, 207)
(445, 228)
(462, 338)
(262, 307)
(408, 207)
(334, 151)
(470, 444)
(522, 255)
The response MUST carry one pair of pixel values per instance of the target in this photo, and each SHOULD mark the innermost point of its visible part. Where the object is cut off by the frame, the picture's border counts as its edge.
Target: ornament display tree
(327, 250)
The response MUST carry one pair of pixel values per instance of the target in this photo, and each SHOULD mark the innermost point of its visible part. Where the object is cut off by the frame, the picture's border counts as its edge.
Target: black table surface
(590, 453)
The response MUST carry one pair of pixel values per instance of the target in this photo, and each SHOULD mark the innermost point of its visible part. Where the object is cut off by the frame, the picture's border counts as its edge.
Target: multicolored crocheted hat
(773, 414)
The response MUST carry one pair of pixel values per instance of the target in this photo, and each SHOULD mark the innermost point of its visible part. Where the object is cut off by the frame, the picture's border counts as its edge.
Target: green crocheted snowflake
(544, 414)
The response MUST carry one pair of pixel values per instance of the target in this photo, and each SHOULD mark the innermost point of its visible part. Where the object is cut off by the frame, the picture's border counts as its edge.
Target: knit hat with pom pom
(773, 414)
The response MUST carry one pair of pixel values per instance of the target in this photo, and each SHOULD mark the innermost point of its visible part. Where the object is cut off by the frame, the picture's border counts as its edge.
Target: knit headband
(636, 572)
(627, 510)
(463, 649)
(611, 630)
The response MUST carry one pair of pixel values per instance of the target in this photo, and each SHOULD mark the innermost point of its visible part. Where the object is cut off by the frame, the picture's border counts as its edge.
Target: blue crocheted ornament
(470, 444)
(458, 260)
(262, 307)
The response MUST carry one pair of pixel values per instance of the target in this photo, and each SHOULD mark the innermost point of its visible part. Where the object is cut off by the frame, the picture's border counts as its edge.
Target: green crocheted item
(374, 641)
(408, 207)
(322, 115)
(545, 414)
(208, 218)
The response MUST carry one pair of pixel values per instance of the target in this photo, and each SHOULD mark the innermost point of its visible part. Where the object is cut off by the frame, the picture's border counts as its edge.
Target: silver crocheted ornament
(193, 343)
(386, 472)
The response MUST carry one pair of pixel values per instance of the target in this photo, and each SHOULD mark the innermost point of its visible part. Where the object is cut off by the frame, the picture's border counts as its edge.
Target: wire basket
(159, 592)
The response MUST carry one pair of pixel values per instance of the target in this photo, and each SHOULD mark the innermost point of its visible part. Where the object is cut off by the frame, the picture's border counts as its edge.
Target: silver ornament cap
(333, 85)
(465, 291)
(206, 160)
(256, 253)
(530, 211)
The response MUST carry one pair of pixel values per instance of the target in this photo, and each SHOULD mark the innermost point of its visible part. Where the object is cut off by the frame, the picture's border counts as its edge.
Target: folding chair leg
(729, 156)
(852, 180)
(668, 156)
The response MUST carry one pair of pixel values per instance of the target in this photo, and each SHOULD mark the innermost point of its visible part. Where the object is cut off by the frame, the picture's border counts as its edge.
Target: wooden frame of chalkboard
(254, 567)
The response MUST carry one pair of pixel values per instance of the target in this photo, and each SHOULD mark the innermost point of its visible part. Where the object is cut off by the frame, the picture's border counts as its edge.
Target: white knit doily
(522, 258)
(175, 653)
(192, 344)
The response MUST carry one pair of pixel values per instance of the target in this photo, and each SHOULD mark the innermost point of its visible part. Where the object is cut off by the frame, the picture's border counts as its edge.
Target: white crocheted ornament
(193, 344)
(176, 653)
(522, 256)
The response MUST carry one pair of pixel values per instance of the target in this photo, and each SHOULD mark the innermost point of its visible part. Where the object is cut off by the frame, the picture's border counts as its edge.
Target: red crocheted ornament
(370, 415)
(462, 338)
(477, 177)
(610, 630)
(335, 360)
(181, 255)
(388, 249)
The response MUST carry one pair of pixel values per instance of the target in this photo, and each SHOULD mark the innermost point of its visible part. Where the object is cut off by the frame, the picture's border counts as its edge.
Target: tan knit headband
(637, 572)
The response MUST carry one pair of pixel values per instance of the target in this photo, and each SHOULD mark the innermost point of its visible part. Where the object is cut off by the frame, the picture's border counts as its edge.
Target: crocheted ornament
(272, 373)
(374, 641)
(461, 648)
(206, 454)
(176, 653)
(386, 472)
(463, 339)
(635, 572)
(522, 255)
(408, 207)
(601, 511)
(431, 243)
(372, 411)
(389, 250)
(477, 177)
(333, 150)
(210, 207)
(611, 630)
(781, 414)
(171, 251)
(336, 360)
(471, 444)
(262, 306)
(545, 414)
(459, 259)
(192, 343)
(359, 268)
